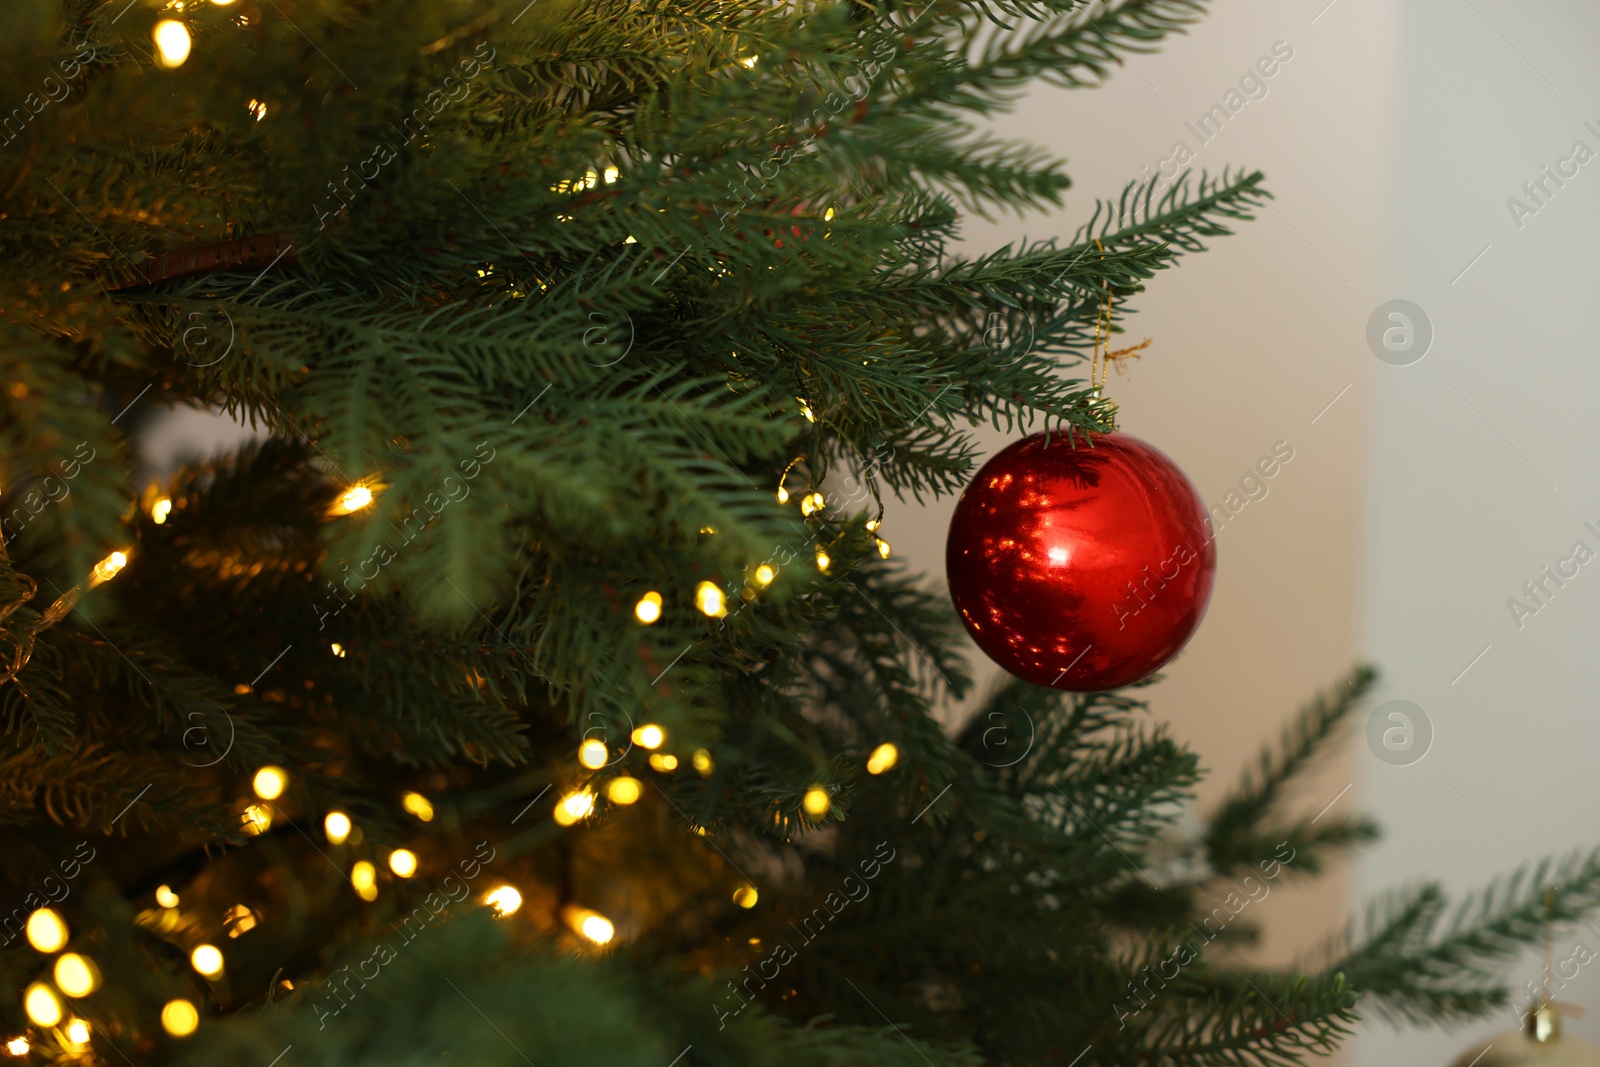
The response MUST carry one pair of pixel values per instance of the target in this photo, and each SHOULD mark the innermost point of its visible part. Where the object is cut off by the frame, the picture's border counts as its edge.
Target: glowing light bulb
(42, 1004)
(574, 806)
(354, 499)
(257, 819)
(816, 802)
(108, 568)
(596, 927)
(827, 216)
(76, 975)
(336, 824)
(805, 409)
(648, 609)
(783, 495)
(364, 877)
(504, 899)
(663, 762)
(611, 174)
(270, 782)
(172, 42)
(78, 1032)
(709, 599)
(624, 790)
(649, 736)
(403, 861)
(873, 524)
(812, 503)
(160, 510)
(883, 758)
(823, 560)
(764, 574)
(47, 931)
(18, 1046)
(749, 62)
(166, 897)
(179, 1018)
(746, 896)
(418, 805)
(337, 649)
(883, 548)
(258, 108)
(703, 763)
(207, 959)
(593, 754)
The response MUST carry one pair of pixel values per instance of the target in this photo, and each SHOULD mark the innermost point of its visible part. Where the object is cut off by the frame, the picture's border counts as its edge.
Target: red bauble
(1084, 566)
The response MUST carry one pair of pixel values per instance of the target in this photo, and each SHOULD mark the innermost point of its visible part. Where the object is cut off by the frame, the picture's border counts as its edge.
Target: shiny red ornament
(1084, 565)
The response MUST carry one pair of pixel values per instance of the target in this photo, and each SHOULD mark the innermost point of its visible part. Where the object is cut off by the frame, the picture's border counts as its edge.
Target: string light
(749, 62)
(47, 931)
(827, 216)
(823, 560)
(18, 1046)
(593, 754)
(702, 762)
(504, 899)
(764, 574)
(172, 42)
(816, 802)
(594, 926)
(336, 824)
(746, 896)
(624, 790)
(783, 495)
(883, 758)
(664, 762)
(805, 409)
(78, 1032)
(257, 819)
(354, 499)
(709, 599)
(42, 1004)
(574, 806)
(649, 736)
(403, 861)
(648, 609)
(180, 1018)
(418, 805)
(270, 782)
(883, 548)
(811, 503)
(258, 108)
(76, 975)
(337, 649)
(364, 877)
(873, 524)
(160, 510)
(240, 920)
(166, 897)
(611, 174)
(207, 959)
(108, 568)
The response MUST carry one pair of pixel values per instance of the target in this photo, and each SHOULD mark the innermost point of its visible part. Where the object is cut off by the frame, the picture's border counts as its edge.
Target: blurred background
(1441, 458)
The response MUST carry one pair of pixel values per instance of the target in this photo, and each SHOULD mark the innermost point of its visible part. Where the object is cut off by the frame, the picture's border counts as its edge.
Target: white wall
(1483, 464)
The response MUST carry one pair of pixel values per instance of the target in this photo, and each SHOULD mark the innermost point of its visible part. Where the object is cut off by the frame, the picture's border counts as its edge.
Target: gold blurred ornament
(1539, 1043)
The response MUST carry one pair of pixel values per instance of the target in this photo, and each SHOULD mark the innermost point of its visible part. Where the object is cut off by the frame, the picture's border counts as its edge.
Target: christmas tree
(541, 690)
